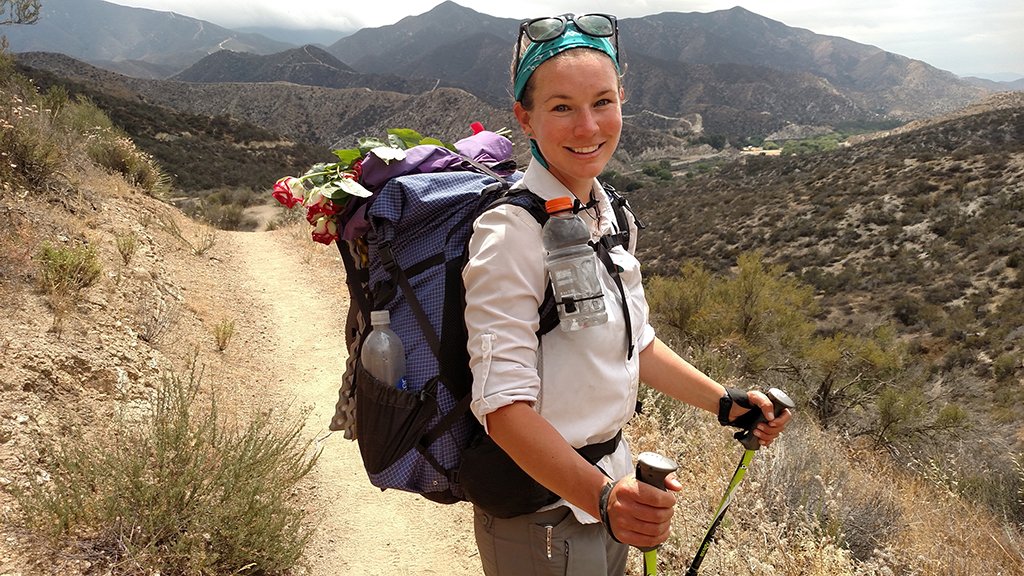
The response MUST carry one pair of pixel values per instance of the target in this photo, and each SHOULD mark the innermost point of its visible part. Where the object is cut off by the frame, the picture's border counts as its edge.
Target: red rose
(325, 230)
(318, 205)
(283, 192)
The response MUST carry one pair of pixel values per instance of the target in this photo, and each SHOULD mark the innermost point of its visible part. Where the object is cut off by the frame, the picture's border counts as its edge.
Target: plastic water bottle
(572, 267)
(383, 355)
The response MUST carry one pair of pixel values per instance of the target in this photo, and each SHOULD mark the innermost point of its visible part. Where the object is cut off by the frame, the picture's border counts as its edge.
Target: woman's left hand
(767, 432)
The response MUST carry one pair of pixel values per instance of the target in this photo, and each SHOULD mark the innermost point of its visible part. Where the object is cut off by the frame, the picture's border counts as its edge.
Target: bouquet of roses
(325, 189)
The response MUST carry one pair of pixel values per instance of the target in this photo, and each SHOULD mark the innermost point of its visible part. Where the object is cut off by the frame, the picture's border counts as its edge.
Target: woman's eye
(561, 108)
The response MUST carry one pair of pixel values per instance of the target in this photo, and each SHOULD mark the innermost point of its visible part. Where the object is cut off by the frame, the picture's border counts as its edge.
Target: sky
(977, 37)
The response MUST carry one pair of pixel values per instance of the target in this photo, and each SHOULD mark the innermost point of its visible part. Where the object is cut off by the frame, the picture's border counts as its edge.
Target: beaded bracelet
(602, 506)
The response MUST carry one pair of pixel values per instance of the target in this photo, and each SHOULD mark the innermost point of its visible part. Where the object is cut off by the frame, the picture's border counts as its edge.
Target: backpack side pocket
(390, 421)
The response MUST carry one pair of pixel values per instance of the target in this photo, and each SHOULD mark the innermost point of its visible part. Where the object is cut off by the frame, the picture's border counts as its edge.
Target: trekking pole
(652, 468)
(780, 401)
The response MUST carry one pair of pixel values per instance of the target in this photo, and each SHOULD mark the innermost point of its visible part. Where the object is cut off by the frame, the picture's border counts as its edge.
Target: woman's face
(575, 117)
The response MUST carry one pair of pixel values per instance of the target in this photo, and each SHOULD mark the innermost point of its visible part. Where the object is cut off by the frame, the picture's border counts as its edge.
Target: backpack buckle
(387, 257)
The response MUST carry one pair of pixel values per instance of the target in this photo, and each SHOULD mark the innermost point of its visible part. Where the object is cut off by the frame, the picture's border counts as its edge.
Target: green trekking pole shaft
(652, 468)
(780, 401)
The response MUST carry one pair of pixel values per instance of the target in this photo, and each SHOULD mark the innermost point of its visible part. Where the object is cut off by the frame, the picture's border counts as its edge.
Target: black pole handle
(780, 401)
(652, 468)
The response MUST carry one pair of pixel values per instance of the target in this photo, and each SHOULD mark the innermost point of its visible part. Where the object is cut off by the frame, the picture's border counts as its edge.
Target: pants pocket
(549, 542)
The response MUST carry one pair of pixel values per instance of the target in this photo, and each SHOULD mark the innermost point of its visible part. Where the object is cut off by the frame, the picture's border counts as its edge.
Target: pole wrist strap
(725, 403)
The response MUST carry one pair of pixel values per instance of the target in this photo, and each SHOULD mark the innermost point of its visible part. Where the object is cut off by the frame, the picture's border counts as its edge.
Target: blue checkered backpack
(410, 263)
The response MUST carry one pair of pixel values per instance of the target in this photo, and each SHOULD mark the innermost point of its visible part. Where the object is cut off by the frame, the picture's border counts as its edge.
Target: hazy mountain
(317, 37)
(996, 86)
(99, 32)
(746, 75)
(872, 78)
(413, 39)
(307, 65)
(462, 47)
(314, 114)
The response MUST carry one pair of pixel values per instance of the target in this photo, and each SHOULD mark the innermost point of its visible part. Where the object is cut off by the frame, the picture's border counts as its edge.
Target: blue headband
(539, 52)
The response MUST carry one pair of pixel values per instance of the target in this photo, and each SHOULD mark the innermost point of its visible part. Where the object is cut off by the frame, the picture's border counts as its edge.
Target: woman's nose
(586, 122)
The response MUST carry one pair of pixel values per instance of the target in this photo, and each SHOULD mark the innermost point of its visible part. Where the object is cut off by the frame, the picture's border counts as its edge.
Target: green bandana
(539, 52)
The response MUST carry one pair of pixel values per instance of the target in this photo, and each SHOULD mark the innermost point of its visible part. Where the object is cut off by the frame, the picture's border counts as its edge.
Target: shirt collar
(543, 183)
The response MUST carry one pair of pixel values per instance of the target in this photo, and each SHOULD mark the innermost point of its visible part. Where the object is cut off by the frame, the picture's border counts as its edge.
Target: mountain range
(744, 73)
(728, 76)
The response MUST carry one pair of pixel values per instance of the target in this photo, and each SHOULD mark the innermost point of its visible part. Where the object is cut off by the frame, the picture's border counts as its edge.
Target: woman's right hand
(640, 514)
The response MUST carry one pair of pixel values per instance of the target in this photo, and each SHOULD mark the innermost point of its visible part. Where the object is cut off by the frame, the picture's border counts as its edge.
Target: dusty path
(362, 531)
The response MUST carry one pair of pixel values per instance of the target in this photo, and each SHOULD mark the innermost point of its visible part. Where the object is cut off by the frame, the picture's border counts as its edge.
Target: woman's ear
(523, 116)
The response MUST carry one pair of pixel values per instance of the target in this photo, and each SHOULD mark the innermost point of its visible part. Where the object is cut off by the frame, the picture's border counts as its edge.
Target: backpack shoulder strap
(527, 200)
(623, 211)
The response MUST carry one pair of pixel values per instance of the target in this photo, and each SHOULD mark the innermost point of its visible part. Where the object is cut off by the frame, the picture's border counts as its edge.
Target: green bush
(65, 270)
(29, 149)
(118, 154)
(182, 493)
(1005, 366)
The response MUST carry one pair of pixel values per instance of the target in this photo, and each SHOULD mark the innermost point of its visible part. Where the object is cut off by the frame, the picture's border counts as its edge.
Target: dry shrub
(18, 242)
(812, 505)
(758, 535)
(945, 536)
(182, 492)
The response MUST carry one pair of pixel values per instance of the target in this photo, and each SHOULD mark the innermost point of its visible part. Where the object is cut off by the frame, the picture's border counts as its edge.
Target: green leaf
(348, 157)
(404, 138)
(388, 154)
(436, 142)
(353, 188)
(366, 144)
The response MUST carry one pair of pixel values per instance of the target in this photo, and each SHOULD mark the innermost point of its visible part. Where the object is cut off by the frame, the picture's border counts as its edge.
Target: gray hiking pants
(546, 544)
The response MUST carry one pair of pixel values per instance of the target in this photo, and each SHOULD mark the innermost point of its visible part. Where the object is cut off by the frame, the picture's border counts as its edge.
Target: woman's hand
(640, 514)
(765, 432)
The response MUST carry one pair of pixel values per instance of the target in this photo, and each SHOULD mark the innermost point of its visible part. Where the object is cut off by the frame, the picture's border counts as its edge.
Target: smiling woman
(556, 404)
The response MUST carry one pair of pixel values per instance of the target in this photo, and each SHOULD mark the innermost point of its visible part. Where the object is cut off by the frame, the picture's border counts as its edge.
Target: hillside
(922, 230)
(307, 65)
(198, 152)
(311, 114)
(98, 31)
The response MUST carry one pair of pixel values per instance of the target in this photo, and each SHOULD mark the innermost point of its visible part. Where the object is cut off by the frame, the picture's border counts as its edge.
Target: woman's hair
(527, 98)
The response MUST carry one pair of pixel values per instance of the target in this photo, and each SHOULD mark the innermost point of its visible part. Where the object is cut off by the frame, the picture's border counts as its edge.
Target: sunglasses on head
(551, 27)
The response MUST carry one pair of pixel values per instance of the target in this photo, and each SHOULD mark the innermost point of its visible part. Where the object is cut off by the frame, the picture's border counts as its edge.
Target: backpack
(410, 262)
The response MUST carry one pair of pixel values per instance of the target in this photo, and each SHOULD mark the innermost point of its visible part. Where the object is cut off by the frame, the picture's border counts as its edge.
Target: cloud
(296, 14)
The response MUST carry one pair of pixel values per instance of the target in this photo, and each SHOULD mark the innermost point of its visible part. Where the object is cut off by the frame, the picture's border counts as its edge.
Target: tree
(19, 11)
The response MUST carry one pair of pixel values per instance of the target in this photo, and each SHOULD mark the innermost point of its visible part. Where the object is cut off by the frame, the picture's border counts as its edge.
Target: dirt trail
(361, 531)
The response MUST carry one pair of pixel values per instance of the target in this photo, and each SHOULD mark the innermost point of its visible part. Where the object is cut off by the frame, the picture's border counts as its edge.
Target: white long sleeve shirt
(582, 382)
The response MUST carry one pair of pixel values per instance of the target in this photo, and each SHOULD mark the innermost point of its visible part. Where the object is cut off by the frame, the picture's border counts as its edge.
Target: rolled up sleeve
(502, 276)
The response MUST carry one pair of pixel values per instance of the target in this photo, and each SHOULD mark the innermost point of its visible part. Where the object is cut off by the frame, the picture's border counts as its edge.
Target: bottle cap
(378, 317)
(559, 204)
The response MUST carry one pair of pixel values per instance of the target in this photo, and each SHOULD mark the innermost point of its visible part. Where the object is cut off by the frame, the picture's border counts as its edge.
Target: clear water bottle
(572, 267)
(383, 355)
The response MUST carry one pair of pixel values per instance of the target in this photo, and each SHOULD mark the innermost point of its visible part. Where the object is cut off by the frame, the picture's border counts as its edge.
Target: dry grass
(812, 505)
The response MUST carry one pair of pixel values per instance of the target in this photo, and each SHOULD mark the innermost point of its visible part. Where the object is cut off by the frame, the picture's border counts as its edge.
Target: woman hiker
(542, 399)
